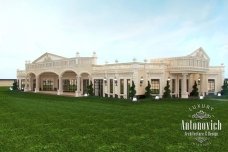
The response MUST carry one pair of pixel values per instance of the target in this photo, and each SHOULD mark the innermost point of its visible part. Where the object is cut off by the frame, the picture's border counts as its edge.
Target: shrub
(167, 91)
(194, 92)
(224, 88)
(15, 86)
(90, 89)
(148, 90)
(132, 90)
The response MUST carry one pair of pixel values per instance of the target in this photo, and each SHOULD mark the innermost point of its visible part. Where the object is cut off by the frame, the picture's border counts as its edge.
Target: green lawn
(36, 122)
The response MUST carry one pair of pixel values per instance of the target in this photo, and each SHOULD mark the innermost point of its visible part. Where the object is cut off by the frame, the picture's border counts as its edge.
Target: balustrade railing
(61, 63)
(21, 73)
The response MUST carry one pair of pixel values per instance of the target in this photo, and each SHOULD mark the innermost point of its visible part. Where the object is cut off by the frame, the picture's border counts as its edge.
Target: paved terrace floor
(55, 93)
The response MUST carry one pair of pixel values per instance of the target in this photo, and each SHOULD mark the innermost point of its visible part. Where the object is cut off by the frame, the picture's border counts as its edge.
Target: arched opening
(69, 81)
(49, 81)
(85, 81)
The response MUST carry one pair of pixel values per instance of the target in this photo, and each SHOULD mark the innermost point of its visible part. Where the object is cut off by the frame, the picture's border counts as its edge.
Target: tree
(90, 89)
(194, 92)
(167, 91)
(15, 86)
(224, 88)
(148, 90)
(132, 90)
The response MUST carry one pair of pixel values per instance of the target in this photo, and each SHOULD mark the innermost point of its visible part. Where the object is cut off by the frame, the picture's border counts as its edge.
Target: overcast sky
(115, 29)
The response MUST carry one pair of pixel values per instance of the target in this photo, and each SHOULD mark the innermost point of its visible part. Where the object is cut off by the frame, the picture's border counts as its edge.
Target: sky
(115, 29)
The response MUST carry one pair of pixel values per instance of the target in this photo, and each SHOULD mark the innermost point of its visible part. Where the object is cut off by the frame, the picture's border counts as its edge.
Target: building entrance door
(180, 85)
(98, 87)
(85, 84)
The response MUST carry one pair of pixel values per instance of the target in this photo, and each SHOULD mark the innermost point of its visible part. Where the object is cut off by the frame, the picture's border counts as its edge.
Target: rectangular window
(128, 87)
(111, 85)
(48, 85)
(211, 85)
(121, 86)
(155, 86)
(173, 85)
(69, 85)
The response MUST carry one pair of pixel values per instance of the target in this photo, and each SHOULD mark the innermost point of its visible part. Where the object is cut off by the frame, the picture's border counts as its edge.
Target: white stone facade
(60, 75)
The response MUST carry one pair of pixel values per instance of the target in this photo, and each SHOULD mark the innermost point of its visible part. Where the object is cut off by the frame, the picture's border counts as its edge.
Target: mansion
(71, 76)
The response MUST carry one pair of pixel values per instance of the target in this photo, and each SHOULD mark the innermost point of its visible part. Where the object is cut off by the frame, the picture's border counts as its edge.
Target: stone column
(203, 84)
(60, 91)
(19, 84)
(125, 88)
(30, 83)
(104, 86)
(177, 86)
(108, 87)
(184, 93)
(77, 92)
(81, 85)
(160, 88)
(17, 80)
(118, 87)
(37, 83)
(26, 83)
(199, 82)
(191, 82)
(170, 79)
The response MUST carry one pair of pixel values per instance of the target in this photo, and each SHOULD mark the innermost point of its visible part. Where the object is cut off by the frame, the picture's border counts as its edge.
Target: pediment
(47, 57)
(200, 53)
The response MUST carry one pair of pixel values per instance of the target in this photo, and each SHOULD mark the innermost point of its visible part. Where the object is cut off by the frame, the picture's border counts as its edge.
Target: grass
(38, 122)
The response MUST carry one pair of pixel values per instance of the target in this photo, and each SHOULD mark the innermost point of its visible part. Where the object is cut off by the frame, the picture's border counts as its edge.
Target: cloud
(115, 29)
